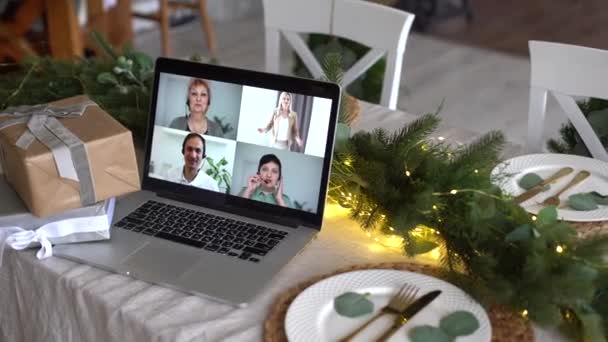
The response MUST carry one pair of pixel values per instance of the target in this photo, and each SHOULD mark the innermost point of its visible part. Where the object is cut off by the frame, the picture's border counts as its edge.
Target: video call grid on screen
(242, 128)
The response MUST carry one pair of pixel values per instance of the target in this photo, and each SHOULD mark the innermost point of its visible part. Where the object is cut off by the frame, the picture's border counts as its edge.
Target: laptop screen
(257, 143)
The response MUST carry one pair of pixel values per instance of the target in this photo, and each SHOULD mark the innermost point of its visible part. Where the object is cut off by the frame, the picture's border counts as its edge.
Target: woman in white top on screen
(284, 125)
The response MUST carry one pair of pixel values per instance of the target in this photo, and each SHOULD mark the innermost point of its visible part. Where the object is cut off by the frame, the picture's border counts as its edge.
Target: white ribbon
(18, 238)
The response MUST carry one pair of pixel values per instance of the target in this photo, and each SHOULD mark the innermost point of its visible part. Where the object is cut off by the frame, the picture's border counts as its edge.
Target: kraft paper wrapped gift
(65, 155)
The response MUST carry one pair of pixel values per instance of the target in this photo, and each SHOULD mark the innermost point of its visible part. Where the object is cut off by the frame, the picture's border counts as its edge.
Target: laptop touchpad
(161, 261)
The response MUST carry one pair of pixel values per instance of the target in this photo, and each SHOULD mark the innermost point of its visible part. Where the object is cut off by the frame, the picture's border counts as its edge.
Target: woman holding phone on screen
(198, 100)
(284, 125)
(267, 184)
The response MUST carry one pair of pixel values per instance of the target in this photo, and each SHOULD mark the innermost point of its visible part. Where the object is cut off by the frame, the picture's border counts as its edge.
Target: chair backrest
(383, 29)
(566, 71)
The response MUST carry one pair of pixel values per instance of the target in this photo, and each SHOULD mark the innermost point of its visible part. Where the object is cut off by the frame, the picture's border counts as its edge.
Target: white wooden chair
(566, 71)
(383, 29)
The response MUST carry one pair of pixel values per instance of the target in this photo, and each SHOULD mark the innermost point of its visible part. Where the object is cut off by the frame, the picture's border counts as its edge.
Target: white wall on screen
(257, 105)
(319, 124)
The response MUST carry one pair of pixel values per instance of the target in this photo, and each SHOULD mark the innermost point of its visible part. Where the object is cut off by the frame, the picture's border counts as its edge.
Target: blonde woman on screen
(283, 125)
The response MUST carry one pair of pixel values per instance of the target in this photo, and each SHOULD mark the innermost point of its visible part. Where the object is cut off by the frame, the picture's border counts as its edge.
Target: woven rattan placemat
(588, 229)
(506, 326)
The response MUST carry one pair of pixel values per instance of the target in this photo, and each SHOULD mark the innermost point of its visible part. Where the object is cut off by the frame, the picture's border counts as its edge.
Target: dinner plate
(311, 316)
(508, 173)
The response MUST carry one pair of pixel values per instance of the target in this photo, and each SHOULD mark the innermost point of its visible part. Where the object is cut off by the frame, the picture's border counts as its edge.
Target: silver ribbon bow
(69, 152)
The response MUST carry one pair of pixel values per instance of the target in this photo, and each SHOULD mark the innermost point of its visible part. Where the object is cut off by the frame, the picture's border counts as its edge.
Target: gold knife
(539, 188)
(409, 312)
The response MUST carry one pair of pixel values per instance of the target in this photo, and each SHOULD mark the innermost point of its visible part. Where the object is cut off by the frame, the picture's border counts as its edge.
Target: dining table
(56, 299)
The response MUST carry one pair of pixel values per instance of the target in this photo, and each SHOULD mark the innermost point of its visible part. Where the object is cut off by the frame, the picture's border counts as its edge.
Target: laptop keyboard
(218, 234)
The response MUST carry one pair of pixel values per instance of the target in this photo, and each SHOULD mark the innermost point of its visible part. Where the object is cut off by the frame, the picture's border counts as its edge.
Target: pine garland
(409, 185)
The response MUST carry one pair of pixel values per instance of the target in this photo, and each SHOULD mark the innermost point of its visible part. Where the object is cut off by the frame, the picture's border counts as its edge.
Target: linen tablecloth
(60, 300)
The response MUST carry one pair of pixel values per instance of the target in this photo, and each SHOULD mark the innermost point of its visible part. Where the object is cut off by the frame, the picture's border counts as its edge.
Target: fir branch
(20, 87)
(483, 151)
(457, 191)
(332, 68)
(107, 48)
(415, 131)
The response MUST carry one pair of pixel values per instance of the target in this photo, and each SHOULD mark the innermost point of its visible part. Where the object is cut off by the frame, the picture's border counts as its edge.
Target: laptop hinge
(280, 220)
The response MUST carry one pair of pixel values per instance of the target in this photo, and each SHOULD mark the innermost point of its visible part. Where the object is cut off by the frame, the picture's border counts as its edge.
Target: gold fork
(554, 200)
(404, 297)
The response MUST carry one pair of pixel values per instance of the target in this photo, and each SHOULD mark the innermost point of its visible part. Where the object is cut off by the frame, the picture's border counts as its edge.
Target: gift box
(19, 229)
(66, 155)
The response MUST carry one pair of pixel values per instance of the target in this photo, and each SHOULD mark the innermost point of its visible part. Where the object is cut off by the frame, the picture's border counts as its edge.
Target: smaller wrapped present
(66, 155)
(19, 229)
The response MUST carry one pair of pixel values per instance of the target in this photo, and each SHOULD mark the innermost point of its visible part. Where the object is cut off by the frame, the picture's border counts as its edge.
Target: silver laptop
(234, 181)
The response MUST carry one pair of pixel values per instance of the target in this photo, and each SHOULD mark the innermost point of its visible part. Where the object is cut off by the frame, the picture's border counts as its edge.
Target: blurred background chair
(384, 29)
(63, 35)
(566, 71)
(162, 16)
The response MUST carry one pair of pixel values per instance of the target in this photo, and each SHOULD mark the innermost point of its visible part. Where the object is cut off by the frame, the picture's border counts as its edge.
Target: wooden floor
(508, 25)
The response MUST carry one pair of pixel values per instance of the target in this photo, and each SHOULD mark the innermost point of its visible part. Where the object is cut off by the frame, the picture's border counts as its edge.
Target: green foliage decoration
(397, 182)
(529, 180)
(120, 83)
(452, 326)
(352, 304)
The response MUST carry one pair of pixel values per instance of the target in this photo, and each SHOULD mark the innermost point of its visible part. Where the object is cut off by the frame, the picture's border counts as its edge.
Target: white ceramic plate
(510, 172)
(311, 316)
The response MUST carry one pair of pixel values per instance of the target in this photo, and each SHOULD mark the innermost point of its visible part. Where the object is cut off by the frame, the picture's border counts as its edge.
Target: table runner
(68, 301)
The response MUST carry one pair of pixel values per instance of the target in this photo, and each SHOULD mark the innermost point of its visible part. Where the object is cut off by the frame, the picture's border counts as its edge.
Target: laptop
(226, 202)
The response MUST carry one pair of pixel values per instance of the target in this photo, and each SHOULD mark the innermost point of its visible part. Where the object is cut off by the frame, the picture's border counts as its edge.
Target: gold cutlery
(554, 200)
(400, 301)
(409, 312)
(539, 188)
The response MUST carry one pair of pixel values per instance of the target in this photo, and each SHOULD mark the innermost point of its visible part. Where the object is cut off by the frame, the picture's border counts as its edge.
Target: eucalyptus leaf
(599, 198)
(118, 70)
(427, 333)
(352, 304)
(592, 325)
(530, 180)
(123, 62)
(459, 323)
(106, 78)
(546, 216)
(583, 202)
(122, 89)
(523, 232)
(143, 60)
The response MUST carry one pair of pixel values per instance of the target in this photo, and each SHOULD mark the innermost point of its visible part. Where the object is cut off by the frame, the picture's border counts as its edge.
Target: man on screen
(193, 149)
